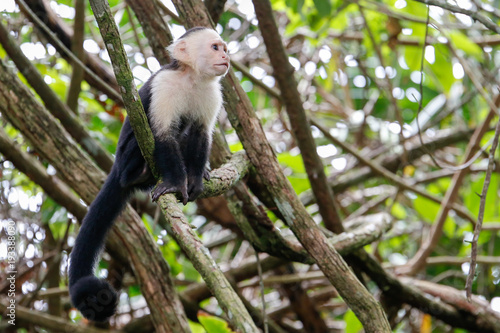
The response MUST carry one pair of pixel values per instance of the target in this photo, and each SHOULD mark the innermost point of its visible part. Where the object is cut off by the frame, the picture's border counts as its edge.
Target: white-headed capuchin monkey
(182, 101)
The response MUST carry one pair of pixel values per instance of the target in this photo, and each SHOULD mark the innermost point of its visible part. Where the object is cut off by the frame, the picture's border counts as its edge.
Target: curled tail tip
(95, 298)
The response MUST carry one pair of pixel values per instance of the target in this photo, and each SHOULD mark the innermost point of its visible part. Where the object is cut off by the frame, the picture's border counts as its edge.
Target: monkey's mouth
(223, 64)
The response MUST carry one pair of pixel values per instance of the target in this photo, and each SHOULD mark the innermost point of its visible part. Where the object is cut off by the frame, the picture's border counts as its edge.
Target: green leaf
(442, 67)
(398, 211)
(450, 227)
(292, 161)
(190, 273)
(353, 325)
(461, 41)
(195, 327)
(134, 290)
(236, 147)
(55, 216)
(415, 9)
(169, 251)
(324, 7)
(472, 198)
(341, 22)
(295, 5)
(299, 183)
(213, 324)
(413, 57)
(426, 208)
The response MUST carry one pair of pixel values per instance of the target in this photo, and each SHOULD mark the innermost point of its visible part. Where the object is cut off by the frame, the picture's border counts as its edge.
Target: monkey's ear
(179, 51)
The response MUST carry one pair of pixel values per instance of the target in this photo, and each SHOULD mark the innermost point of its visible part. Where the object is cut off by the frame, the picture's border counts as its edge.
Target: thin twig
(480, 217)
(474, 14)
(261, 285)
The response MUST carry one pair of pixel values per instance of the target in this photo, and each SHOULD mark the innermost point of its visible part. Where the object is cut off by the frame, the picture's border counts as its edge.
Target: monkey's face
(218, 59)
(203, 51)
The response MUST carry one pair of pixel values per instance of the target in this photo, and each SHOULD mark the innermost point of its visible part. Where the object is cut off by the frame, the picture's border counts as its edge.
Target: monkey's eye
(215, 47)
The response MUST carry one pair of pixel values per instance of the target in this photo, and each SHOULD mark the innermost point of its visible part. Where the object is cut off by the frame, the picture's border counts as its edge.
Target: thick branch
(225, 177)
(125, 79)
(203, 262)
(78, 50)
(251, 134)
(486, 318)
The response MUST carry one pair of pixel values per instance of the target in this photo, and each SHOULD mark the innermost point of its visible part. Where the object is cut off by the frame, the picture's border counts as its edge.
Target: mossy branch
(125, 79)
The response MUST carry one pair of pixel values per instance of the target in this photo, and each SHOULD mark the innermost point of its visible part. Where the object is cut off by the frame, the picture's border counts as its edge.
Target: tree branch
(202, 261)
(78, 50)
(380, 170)
(125, 79)
(472, 13)
(480, 217)
(418, 261)
(154, 27)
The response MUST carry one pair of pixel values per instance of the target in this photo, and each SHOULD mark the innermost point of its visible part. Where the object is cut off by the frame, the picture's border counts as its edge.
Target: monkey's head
(202, 50)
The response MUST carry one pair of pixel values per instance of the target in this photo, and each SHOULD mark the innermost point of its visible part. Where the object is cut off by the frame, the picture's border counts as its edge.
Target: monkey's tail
(95, 298)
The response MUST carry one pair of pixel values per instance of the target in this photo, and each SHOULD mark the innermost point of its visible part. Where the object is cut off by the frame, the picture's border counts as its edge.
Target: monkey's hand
(195, 186)
(206, 174)
(166, 187)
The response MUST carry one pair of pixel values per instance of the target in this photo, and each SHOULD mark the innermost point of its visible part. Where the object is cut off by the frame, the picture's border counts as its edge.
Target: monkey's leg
(196, 148)
(170, 164)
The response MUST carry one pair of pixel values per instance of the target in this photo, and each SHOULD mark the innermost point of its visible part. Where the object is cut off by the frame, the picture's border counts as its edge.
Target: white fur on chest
(174, 94)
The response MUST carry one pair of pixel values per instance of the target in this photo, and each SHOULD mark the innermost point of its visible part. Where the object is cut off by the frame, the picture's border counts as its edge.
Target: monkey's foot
(195, 187)
(164, 188)
(206, 174)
